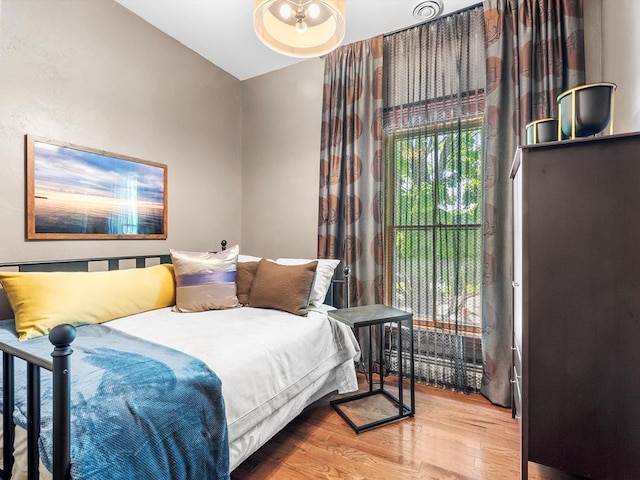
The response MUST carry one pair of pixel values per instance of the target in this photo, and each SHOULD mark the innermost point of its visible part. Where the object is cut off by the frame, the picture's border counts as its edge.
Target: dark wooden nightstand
(375, 316)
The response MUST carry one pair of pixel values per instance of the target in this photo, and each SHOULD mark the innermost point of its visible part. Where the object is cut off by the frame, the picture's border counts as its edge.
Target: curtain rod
(404, 29)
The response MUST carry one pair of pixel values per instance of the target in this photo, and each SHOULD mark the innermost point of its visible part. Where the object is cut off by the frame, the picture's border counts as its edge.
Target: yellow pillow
(40, 301)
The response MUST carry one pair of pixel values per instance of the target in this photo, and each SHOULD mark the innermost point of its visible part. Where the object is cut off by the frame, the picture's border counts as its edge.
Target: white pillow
(248, 258)
(322, 280)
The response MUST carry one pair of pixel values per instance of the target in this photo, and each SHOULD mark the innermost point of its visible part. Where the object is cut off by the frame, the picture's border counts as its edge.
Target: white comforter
(272, 364)
(265, 359)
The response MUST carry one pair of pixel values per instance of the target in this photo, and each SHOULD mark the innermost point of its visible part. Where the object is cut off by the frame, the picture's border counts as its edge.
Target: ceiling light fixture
(300, 28)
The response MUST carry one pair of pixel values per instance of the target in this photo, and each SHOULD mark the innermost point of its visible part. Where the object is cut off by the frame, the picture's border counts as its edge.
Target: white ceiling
(222, 30)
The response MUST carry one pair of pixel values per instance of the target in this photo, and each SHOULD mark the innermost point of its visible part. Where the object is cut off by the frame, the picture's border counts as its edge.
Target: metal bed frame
(61, 337)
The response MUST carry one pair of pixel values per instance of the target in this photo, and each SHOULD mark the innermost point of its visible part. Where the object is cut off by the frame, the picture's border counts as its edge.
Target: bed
(266, 364)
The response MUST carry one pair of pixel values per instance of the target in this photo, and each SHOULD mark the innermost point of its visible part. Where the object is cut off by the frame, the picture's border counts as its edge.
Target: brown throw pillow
(245, 273)
(283, 287)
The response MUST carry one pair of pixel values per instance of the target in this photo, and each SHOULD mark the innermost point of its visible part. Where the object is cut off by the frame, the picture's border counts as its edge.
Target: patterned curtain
(535, 51)
(350, 222)
(350, 225)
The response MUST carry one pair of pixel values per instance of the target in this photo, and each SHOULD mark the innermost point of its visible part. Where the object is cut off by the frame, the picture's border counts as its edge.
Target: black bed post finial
(61, 337)
(223, 244)
(347, 285)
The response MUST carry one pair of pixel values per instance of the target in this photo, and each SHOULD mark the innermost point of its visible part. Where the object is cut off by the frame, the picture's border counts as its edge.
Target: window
(435, 232)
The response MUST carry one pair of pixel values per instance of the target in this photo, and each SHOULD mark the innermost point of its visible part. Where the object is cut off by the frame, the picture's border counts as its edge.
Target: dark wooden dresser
(576, 374)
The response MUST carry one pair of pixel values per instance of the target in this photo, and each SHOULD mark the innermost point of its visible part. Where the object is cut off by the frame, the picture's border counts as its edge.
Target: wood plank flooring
(452, 437)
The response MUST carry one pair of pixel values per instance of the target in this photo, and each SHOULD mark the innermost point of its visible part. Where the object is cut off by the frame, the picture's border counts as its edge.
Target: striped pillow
(205, 280)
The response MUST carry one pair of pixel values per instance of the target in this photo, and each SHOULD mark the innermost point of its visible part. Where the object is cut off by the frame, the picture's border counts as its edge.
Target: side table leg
(400, 369)
(380, 331)
(370, 358)
(412, 376)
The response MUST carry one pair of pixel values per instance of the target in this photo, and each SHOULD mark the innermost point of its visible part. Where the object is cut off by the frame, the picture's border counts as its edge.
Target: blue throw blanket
(138, 410)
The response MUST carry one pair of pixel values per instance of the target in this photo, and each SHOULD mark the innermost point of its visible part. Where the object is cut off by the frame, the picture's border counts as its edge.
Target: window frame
(391, 186)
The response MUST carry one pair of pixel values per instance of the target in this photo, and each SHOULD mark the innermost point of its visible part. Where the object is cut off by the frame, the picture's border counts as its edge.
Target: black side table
(376, 316)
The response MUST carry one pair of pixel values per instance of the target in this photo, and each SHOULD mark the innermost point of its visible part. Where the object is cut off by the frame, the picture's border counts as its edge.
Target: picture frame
(81, 193)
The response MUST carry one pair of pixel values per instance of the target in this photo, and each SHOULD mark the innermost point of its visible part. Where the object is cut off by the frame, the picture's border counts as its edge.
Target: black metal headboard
(83, 264)
(142, 261)
(337, 282)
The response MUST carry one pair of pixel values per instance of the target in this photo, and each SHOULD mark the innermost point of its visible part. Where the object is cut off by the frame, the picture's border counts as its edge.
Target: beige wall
(621, 60)
(242, 156)
(281, 132)
(94, 74)
(593, 40)
(281, 115)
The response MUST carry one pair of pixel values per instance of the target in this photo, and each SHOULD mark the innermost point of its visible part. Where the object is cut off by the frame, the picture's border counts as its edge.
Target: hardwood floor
(452, 437)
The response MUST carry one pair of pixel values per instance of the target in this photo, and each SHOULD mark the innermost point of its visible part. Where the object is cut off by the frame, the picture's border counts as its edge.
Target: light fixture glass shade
(324, 20)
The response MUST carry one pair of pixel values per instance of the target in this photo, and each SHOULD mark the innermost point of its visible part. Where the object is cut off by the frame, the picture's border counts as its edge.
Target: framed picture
(76, 192)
